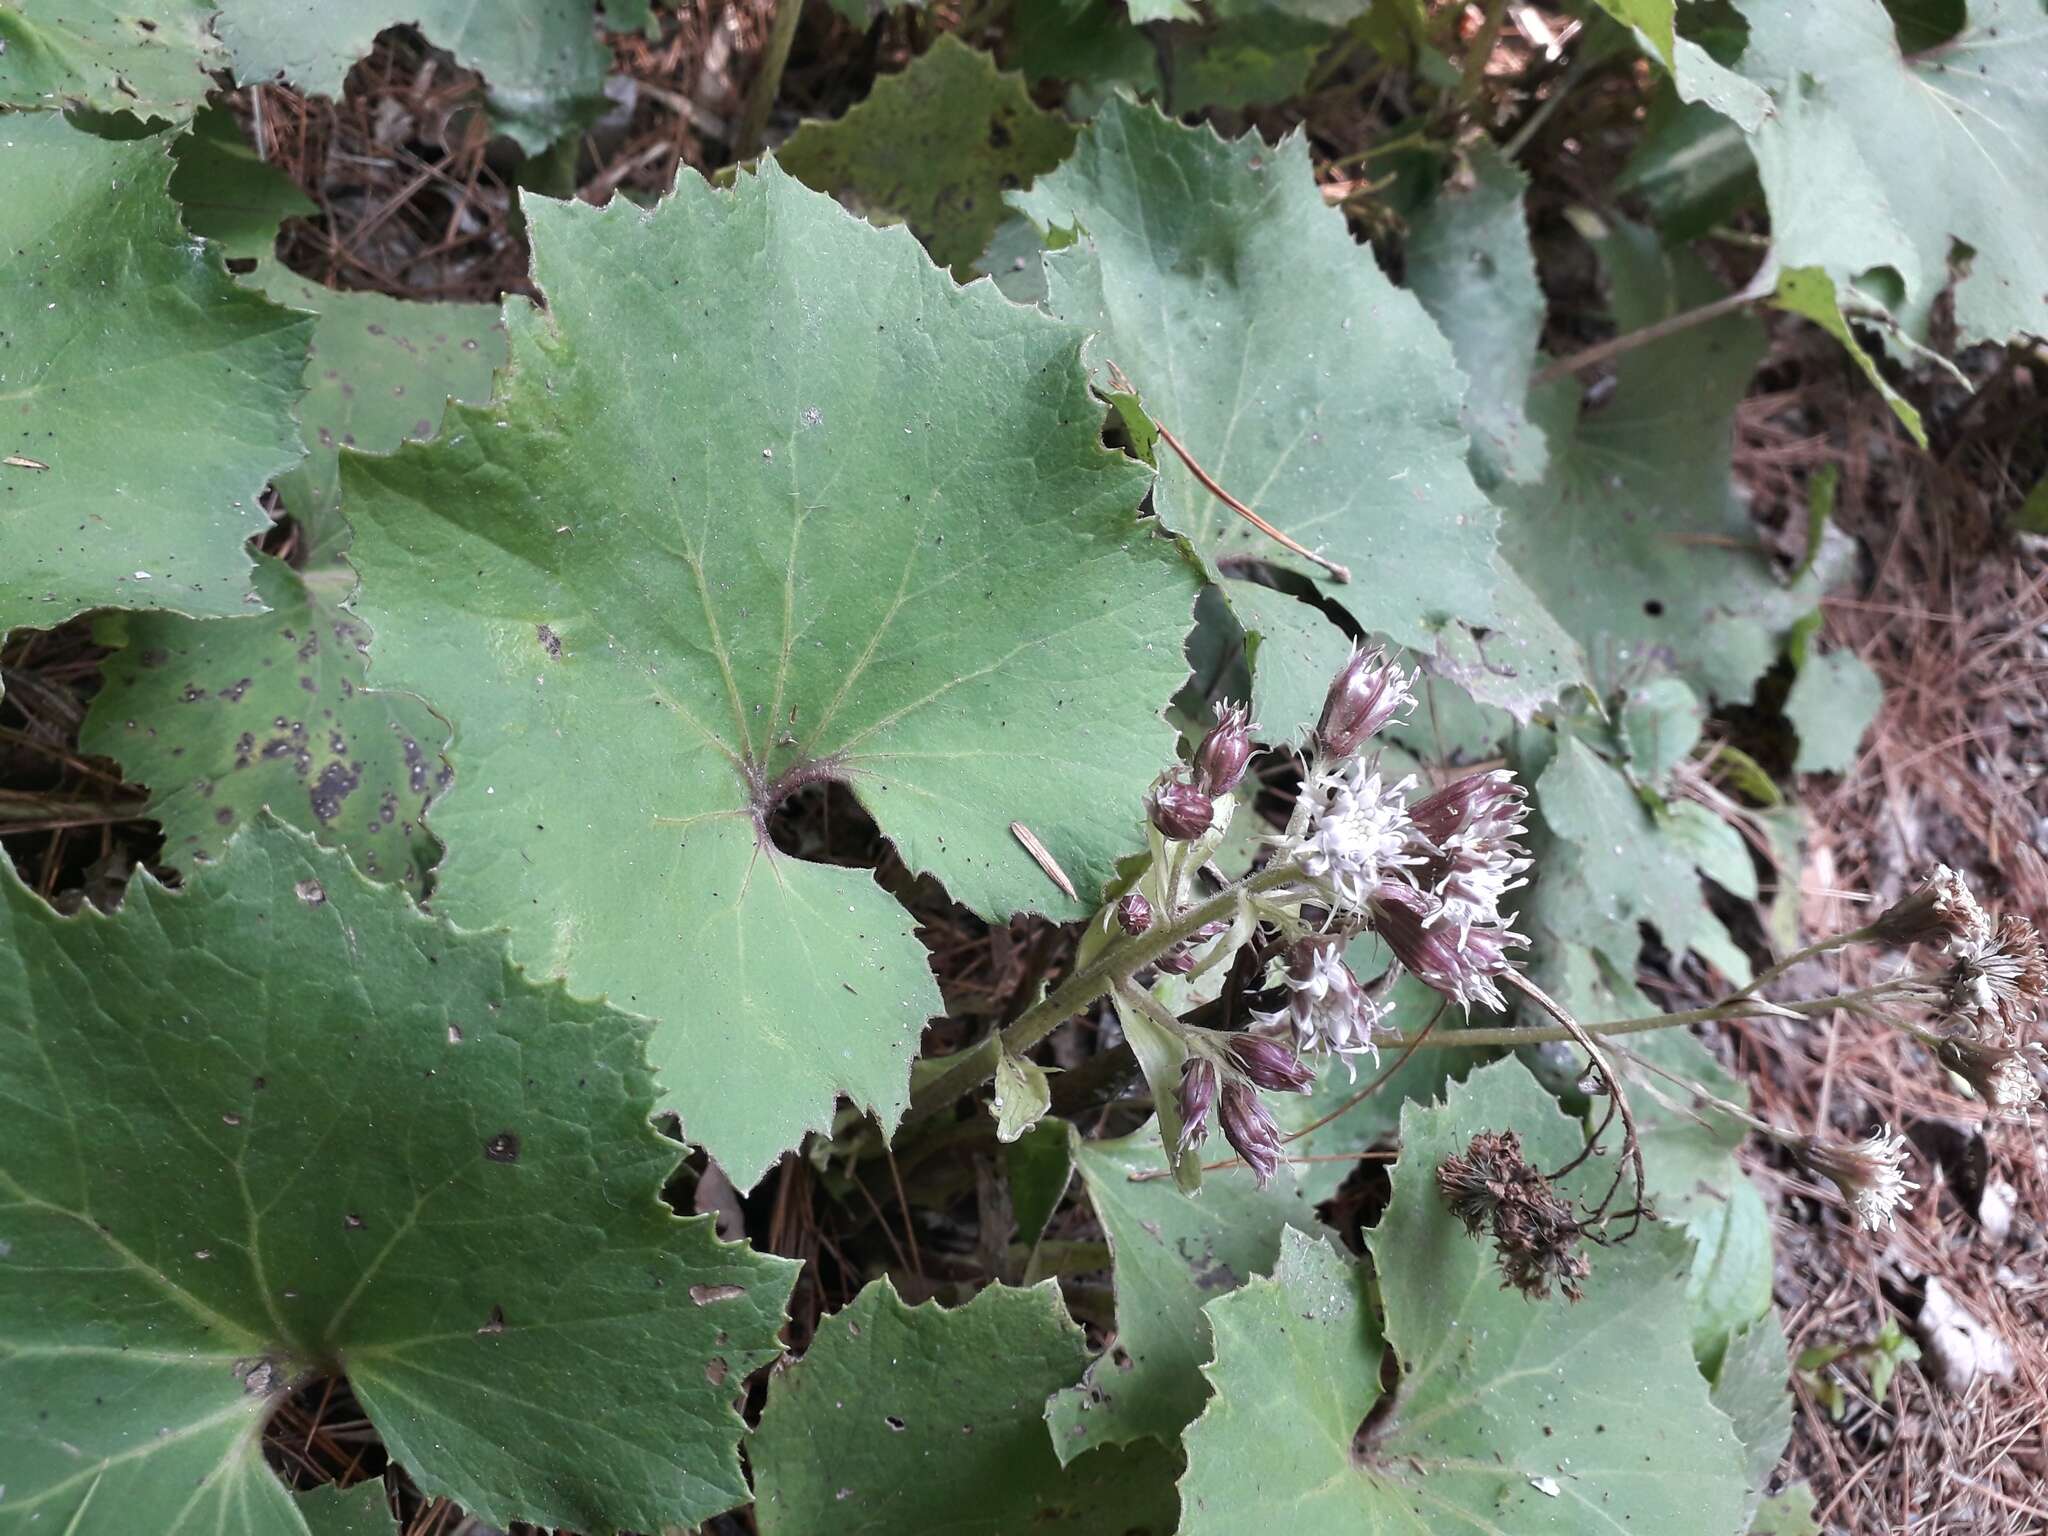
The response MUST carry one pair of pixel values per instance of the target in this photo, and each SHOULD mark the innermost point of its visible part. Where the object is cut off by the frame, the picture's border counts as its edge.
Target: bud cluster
(1228, 1080)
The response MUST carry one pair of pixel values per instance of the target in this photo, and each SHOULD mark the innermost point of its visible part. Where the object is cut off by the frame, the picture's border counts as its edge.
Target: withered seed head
(1535, 1234)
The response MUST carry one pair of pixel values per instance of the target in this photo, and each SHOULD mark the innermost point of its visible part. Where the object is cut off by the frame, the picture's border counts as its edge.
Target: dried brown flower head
(1535, 1232)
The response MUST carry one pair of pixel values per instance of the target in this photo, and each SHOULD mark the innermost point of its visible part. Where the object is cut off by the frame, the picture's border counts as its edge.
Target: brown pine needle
(1337, 572)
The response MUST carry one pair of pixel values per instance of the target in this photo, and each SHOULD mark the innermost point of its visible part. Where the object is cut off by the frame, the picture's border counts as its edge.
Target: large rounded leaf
(1512, 1418)
(901, 1421)
(279, 1123)
(147, 399)
(765, 499)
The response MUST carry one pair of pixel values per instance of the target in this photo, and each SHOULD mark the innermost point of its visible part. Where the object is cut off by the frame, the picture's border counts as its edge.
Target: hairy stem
(1817, 947)
(1734, 1008)
(768, 79)
(1117, 963)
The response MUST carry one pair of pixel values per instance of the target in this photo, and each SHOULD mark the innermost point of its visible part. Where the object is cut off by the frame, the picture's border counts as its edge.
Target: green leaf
(935, 146)
(1696, 1183)
(1712, 844)
(1470, 264)
(1513, 1416)
(1023, 1094)
(149, 57)
(1294, 652)
(1789, 1513)
(1809, 291)
(135, 451)
(1692, 168)
(1040, 1165)
(1014, 259)
(1662, 720)
(228, 193)
(1654, 19)
(1296, 1368)
(393, 1155)
(1091, 43)
(1273, 347)
(225, 718)
(1536, 1391)
(1871, 160)
(1248, 56)
(1832, 703)
(1751, 1388)
(360, 1511)
(1613, 867)
(1172, 1254)
(2032, 516)
(381, 372)
(816, 555)
(542, 64)
(904, 1419)
(1637, 539)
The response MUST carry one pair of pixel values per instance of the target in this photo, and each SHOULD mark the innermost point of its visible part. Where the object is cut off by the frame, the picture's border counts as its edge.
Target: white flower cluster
(1356, 832)
(1327, 1010)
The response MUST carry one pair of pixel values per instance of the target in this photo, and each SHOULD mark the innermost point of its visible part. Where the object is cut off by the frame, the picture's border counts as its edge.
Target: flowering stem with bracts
(1122, 959)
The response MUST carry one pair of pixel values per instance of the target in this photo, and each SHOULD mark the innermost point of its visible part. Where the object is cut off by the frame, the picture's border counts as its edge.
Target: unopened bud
(1197, 1093)
(1220, 760)
(1134, 913)
(1367, 692)
(1177, 961)
(1181, 811)
(1250, 1129)
(1270, 1064)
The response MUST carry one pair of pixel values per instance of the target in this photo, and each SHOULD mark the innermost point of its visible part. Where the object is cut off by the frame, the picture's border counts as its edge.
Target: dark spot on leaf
(550, 641)
(893, 1422)
(225, 816)
(1654, 608)
(495, 1323)
(503, 1147)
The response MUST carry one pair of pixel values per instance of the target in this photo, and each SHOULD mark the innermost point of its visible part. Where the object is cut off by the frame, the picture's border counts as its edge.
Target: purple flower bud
(1249, 1128)
(1366, 693)
(1477, 798)
(1197, 1094)
(1270, 1064)
(1220, 760)
(1458, 961)
(1181, 811)
(1134, 914)
(1177, 962)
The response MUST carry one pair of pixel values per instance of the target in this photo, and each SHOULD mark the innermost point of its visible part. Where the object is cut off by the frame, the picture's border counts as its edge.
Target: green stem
(1735, 1008)
(768, 79)
(1124, 957)
(1817, 947)
(1473, 79)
